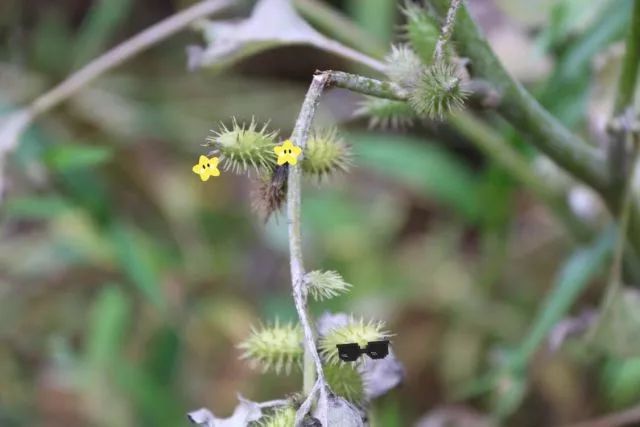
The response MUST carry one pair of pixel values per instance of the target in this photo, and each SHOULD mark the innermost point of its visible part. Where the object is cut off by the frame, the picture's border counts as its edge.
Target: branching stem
(313, 381)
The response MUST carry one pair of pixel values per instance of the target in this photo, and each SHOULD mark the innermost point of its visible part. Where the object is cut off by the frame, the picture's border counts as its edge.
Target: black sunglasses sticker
(350, 352)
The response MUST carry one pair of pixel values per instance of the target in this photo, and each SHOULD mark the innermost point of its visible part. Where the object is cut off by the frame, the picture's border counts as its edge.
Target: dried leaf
(272, 23)
(381, 375)
(570, 327)
(340, 413)
(246, 411)
(329, 321)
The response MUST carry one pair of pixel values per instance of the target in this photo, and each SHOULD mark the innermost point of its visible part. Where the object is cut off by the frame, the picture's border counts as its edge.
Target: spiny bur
(243, 147)
(356, 331)
(346, 382)
(421, 31)
(440, 91)
(403, 66)
(274, 348)
(386, 113)
(326, 153)
(281, 417)
(325, 284)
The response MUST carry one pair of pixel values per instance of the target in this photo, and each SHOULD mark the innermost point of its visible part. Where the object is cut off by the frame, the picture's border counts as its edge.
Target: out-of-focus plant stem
(119, 54)
(521, 109)
(339, 27)
(20, 120)
(618, 160)
(546, 132)
(621, 164)
(494, 146)
(461, 122)
(614, 284)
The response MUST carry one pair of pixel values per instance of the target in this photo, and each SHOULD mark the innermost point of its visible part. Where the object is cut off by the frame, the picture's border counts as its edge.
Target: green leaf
(566, 93)
(109, 319)
(134, 257)
(75, 156)
(620, 382)
(423, 166)
(581, 267)
(163, 354)
(377, 17)
(36, 207)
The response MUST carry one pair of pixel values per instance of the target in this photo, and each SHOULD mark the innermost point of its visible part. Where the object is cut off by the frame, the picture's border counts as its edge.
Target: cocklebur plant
(428, 70)
(334, 392)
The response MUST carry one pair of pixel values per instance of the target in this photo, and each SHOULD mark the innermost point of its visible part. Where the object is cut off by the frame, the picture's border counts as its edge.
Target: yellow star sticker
(287, 152)
(206, 167)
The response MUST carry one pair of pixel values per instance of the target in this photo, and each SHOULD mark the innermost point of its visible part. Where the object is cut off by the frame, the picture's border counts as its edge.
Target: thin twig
(618, 419)
(366, 85)
(17, 122)
(116, 56)
(447, 29)
(311, 356)
(273, 403)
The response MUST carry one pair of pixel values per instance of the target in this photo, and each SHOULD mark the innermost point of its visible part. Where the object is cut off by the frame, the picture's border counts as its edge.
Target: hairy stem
(365, 85)
(447, 28)
(299, 137)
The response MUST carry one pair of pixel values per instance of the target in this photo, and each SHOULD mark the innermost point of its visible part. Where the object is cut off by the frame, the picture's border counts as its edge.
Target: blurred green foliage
(125, 283)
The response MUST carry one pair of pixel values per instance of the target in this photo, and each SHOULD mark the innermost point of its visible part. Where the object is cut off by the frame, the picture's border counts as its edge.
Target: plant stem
(124, 51)
(365, 85)
(331, 21)
(522, 110)
(618, 164)
(630, 64)
(299, 138)
(492, 144)
(615, 275)
(447, 28)
(626, 417)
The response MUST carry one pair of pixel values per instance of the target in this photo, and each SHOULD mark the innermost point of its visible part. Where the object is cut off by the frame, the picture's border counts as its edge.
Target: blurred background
(126, 283)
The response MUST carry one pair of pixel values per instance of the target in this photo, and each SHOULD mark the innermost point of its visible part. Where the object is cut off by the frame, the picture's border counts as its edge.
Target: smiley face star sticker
(287, 153)
(206, 167)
